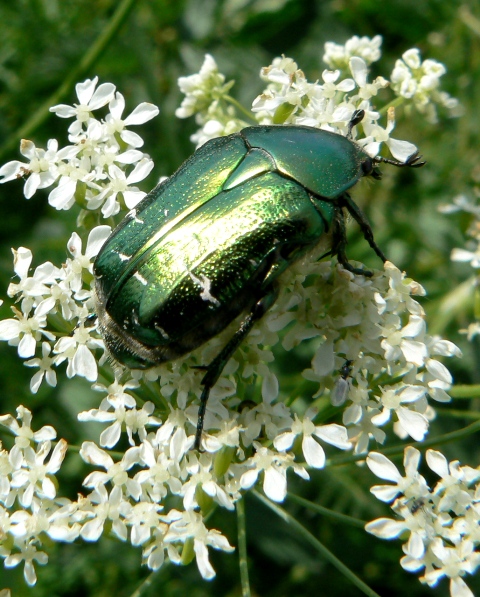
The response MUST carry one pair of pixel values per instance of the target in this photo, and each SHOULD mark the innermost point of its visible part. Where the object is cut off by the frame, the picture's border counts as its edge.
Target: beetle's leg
(358, 215)
(216, 367)
(339, 242)
(411, 162)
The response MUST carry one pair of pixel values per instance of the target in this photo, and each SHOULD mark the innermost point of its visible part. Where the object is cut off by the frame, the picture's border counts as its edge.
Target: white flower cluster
(375, 321)
(338, 56)
(158, 493)
(30, 509)
(57, 295)
(205, 95)
(377, 325)
(91, 171)
(420, 81)
(290, 98)
(440, 524)
(29, 506)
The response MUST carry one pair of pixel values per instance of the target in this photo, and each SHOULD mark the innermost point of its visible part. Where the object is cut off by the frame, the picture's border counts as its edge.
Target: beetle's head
(370, 168)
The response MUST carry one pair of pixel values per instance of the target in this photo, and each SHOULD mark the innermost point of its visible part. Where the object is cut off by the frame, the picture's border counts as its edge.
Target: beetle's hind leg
(216, 367)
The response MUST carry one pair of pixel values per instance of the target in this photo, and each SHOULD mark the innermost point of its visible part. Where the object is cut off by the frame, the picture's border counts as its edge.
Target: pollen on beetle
(163, 333)
(132, 214)
(205, 284)
(140, 278)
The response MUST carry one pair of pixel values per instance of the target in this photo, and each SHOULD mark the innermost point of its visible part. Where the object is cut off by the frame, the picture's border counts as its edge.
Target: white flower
(90, 99)
(124, 414)
(312, 450)
(202, 475)
(46, 371)
(119, 183)
(28, 553)
(200, 89)
(359, 72)
(35, 286)
(413, 485)
(114, 123)
(41, 169)
(24, 434)
(455, 561)
(106, 507)
(337, 56)
(440, 526)
(161, 474)
(419, 81)
(143, 519)
(76, 350)
(25, 331)
(453, 486)
(274, 465)
(189, 525)
(115, 472)
(35, 477)
(376, 135)
(75, 267)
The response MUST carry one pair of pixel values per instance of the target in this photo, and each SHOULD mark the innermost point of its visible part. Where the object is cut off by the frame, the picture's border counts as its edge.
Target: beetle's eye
(369, 168)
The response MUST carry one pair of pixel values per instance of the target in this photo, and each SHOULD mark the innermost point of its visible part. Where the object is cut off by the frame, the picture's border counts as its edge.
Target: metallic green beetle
(208, 243)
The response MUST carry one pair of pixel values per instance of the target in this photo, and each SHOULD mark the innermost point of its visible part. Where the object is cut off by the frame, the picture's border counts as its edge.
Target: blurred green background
(44, 47)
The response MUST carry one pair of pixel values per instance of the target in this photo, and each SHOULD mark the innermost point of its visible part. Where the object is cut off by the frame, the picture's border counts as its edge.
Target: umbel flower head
(440, 525)
(157, 493)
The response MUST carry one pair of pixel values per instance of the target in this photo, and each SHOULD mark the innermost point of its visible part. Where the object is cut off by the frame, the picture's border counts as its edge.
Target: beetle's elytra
(208, 243)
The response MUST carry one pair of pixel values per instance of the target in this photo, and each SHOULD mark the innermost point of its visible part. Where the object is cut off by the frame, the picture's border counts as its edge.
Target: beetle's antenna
(411, 162)
(356, 118)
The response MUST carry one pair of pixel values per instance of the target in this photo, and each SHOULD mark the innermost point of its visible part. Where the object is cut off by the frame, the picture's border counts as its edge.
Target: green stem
(327, 512)
(458, 414)
(396, 103)
(465, 391)
(89, 58)
(145, 584)
(242, 547)
(325, 553)
(397, 451)
(451, 305)
(240, 108)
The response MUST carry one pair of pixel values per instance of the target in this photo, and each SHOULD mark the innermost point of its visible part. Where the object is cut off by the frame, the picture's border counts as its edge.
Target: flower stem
(465, 391)
(397, 451)
(88, 59)
(458, 414)
(398, 101)
(327, 512)
(242, 547)
(240, 108)
(147, 583)
(326, 553)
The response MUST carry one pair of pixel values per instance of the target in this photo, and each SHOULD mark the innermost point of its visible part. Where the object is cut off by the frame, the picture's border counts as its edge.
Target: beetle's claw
(360, 271)
(413, 161)
(356, 270)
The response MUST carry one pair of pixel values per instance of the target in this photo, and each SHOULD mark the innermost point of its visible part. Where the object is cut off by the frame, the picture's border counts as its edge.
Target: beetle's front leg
(216, 367)
(358, 215)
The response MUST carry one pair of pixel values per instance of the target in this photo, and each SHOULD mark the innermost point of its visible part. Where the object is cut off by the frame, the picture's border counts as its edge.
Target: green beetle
(208, 243)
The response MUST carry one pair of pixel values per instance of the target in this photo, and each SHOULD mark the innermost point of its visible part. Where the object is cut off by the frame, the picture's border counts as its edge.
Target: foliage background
(44, 45)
